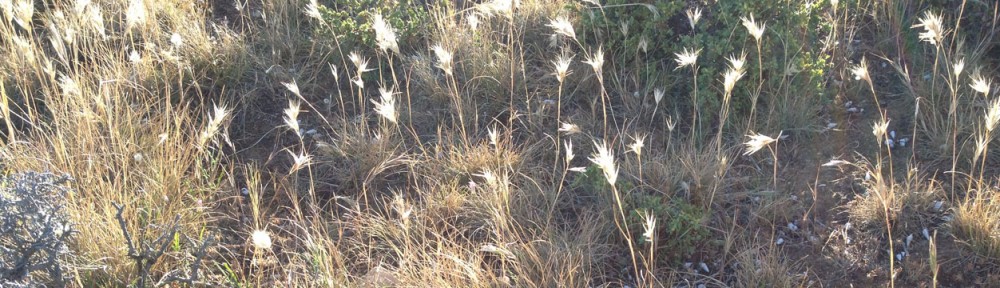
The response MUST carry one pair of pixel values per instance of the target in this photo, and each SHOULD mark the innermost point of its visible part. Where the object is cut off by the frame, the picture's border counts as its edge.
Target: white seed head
(386, 107)
(136, 13)
(649, 226)
(980, 84)
(561, 26)
(687, 58)
(24, 11)
(993, 115)
(693, 15)
(730, 78)
(879, 129)
(605, 160)
(658, 94)
(568, 147)
(312, 10)
(569, 128)
(444, 58)
(562, 67)
(757, 142)
(260, 239)
(860, 71)
(958, 67)
(292, 115)
(176, 40)
(933, 28)
(737, 63)
(755, 29)
(596, 61)
(134, 57)
(299, 161)
(644, 44)
(637, 145)
(385, 35)
(473, 21)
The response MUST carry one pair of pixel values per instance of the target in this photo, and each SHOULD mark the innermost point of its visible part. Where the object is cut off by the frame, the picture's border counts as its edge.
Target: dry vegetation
(509, 143)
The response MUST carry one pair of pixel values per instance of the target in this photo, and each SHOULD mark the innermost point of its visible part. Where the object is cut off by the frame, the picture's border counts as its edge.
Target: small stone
(779, 241)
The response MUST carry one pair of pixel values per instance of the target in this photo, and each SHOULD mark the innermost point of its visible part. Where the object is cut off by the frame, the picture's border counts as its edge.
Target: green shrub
(790, 57)
(351, 22)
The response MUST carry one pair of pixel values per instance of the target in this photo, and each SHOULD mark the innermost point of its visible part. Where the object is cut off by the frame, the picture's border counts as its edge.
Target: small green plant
(680, 230)
(351, 22)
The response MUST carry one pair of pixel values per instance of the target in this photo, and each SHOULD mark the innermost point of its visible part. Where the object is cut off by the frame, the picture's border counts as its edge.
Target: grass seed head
(958, 67)
(658, 94)
(693, 16)
(562, 67)
(687, 58)
(980, 84)
(596, 61)
(136, 13)
(757, 142)
(860, 71)
(562, 26)
(385, 35)
(292, 115)
(933, 28)
(569, 128)
(260, 239)
(993, 115)
(605, 160)
(386, 107)
(568, 146)
(755, 29)
(312, 10)
(444, 58)
(730, 78)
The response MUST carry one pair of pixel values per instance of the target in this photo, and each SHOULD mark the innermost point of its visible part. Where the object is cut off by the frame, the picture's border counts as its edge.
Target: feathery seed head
(214, 123)
(933, 28)
(636, 147)
(755, 29)
(386, 107)
(860, 71)
(596, 61)
(385, 35)
(24, 11)
(993, 115)
(292, 116)
(176, 40)
(693, 15)
(605, 160)
(737, 63)
(312, 10)
(658, 94)
(136, 13)
(644, 44)
(568, 145)
(134, 57)
(473, 21)
(444, 58)
(687, 58)
(980, 84)
(562, 67)
(260, 239)
(730, 78)
(649, 226)
(562, 26)
(879, 129)
(958, 67)
(757, 142)
(299, 161)
(569, 128)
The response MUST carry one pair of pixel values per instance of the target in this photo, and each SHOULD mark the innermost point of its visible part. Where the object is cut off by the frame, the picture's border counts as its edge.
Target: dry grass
(516, 145)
